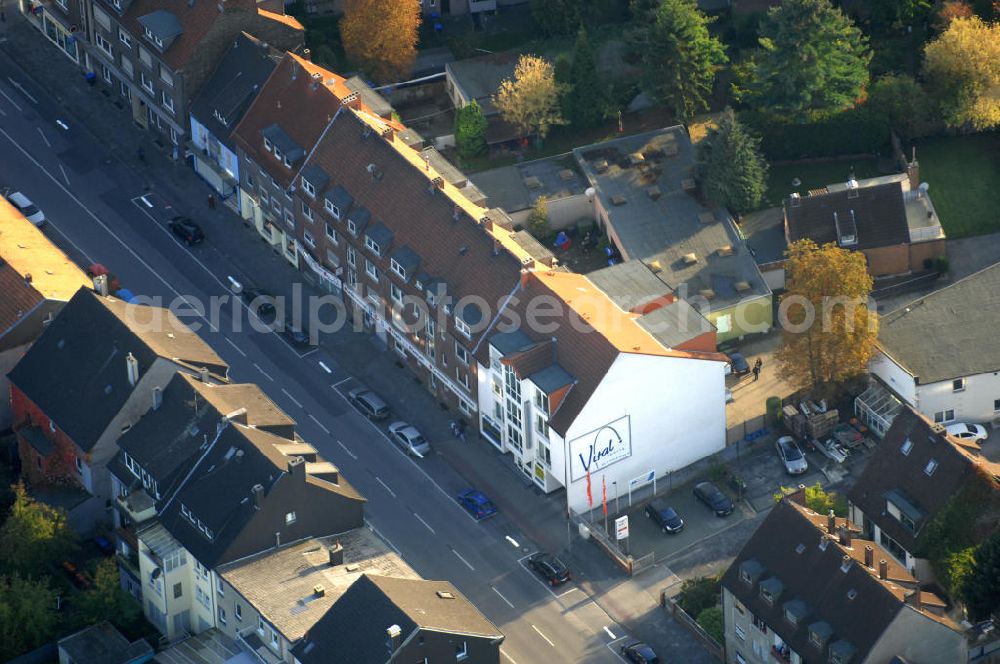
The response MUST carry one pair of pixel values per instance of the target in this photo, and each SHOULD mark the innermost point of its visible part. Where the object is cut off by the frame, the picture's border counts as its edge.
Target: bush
(851, 132)
(941, 264)
(710, 620)
(699, 594)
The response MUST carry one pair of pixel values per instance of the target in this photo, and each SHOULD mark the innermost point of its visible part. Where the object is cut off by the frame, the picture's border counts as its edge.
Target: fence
(682, 617)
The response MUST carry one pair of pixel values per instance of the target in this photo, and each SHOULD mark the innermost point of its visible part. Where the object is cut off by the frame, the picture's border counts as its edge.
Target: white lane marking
(238, 349)
(319, 423)
(294, 400)
(507, 601)
(324, 367)
(3, 112)
(504, 653)
(44, 137)
(571, 590)
(308, 353)
(266, 375)
(12, 102)
(513, 542)
(610, 633)
(467, 564)
(385, 486)
(22, 90)
(62, 125)
(65, 177)
(340, 382)
(426, 525)
(349, 452)
(547, 639)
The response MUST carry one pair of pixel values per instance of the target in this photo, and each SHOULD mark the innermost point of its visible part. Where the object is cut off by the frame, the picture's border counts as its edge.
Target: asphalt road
(95, 214)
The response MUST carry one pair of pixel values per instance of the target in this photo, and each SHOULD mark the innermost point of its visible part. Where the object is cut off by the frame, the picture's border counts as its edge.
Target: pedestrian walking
(756, 369)
(211, 202)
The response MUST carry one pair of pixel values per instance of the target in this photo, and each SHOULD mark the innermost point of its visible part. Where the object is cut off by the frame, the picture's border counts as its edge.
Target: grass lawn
(814, 175)
(964, 177)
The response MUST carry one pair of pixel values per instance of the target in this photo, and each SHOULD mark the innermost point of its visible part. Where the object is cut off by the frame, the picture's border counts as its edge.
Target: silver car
(410, 439)
(27, 208)
(790, 454)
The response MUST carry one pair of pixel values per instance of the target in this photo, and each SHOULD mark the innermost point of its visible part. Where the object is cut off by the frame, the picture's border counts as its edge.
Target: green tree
(981, 586)
(903, 103)
(34, 535)
(538, 220)
(106, 599)
(530, 100)
(814, 60)
(895, 13)
(558, 17)
(733, 171)
(28, 617)
(470, 130)
(699, 594)
(326, 57)
(680, 58)
(710, 620)
(641, 9)
(962, 69)
(586, 98)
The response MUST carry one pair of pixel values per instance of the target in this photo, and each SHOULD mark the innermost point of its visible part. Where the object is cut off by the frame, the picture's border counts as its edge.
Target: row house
(63, 22)
(157, 54)
(88, 379)
(806, 588)
(37, 280)
(210, 475)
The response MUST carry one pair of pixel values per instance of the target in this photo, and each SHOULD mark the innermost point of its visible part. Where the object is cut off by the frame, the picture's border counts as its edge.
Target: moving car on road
(477, 504)
(369, 403)
(549, 568)
(187, 230)
(26, 207)
(664, 516)
(962, 431)
(410, 439)
(259, 300)
(639, 653)
(714, 499)
(790, 455)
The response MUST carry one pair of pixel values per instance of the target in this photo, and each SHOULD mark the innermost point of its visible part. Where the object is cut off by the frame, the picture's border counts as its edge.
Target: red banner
(590, 496)
(604, 495)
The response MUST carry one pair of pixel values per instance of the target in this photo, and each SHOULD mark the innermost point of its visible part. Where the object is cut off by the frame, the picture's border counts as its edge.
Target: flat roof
(518, 187)
(764, 231)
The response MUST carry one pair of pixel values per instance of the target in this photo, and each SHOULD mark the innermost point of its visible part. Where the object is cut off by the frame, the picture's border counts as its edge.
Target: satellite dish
(591, 192)
(924, 187)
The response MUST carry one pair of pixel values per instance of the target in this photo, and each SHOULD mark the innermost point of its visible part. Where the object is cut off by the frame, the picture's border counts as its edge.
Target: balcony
(254, 645)
(138, 506)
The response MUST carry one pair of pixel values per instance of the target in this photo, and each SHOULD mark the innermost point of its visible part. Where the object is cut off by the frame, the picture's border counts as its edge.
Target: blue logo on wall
(600, 448)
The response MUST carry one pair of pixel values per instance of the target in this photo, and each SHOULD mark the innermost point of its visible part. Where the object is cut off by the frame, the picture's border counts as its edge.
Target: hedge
(851, 132)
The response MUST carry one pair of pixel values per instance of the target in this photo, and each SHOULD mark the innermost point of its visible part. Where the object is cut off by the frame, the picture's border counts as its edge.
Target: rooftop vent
(444, 594)
(742, 286)
(601, 165)
(845, 564)
(636, 158)
(690, 259)
(319, 590)
(618, 199)
(852, 188)
(847, 230)
(800, 548)
(726, 250)
(374, 171)
(336, 553)
(852, 593)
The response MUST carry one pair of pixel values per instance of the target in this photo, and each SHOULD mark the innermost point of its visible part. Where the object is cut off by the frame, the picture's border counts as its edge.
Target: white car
(962, 431)
(791, 456)
(27, 208)
(410, 439)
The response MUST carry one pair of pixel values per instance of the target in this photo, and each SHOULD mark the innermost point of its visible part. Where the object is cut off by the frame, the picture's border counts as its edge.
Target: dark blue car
(665, 517)
(639, 653)
(477, 504)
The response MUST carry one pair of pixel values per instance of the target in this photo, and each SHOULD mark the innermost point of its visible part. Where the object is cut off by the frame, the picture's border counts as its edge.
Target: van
(369, 403)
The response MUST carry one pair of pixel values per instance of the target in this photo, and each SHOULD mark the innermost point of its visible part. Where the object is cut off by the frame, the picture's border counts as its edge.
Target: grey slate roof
(407, 259)
(479, 78)
(511, 342)
(233, 86)
(163, 24)
(879, 216)
(289, 148)
(316, 176)
(76, 371)
(551, 378)
(339, 197)
(380, 234)
(942, 336)
(373, 100)
(374, 602)
(360, 216)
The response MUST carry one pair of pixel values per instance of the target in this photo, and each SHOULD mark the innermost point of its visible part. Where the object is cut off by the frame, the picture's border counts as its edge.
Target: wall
(753, 642)
(8, 359)
(973, 404)
(885, 261)
(250, 622)
(916, 638)
(677, 416)
(441, 647)
(774, 275)
(753, 316)
(894, 376)
(920, 251)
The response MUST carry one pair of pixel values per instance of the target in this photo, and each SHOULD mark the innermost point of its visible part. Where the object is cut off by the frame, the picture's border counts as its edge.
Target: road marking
(427, 525)
(547, 639)
(513, 542)
(44, 137)
(65, 177)
(63, 125)
(385, 486)
(266, 375)
(319, 423)
(15, 105)
(289, 395)
(324, 367)
(309, 352)
(611, 634)
(349, 453)
(563, 594)
(462, 559)
(238, 349)
(340, 382)
(512, 660)
(502, 597)
(22, 90)
(3, 112)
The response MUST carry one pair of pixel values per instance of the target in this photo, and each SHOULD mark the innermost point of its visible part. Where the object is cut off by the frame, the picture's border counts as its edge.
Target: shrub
(710, 620)
(699, 594)
(851, 132)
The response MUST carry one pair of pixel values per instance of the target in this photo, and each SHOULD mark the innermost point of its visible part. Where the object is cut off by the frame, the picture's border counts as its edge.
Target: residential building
(911, 477)
(102, 644)
(645, 201)
(212, 474)
(806, 588)
(517, 188)
(401, 620)
(936, 355)
(158, 54)
(89, 378)
(219, 107)
(37, 280)
(61, 21)
(273, 598)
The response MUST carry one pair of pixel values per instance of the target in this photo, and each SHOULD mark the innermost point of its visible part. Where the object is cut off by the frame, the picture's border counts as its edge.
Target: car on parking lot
(738, 365)
(187, 230)
(550, 568)
(410, 439)
(26, 207)
(259, 300)
(477, 504)
(664, 516)
(791, 456)
(714, 499)
(963, 431)
(639, 653)
(369, 403)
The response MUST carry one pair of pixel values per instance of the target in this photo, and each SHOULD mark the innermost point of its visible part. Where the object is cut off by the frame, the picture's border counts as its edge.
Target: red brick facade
(59, 467)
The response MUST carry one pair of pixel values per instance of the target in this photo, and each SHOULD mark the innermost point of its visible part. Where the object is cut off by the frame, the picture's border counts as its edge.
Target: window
(740, 659)
(147, 82)
(145, 57)
(276, 205)
(816, 639)
(907, 446)
(308, 239)
(958, 385)
(331, 233)
(760, 625)
(277, 152)
(996, 405)
(222, 616)
(307, 211)
(461, 354)
(396, 293)
(541, 426)
(102, 18)
(352, 227)
(462, 378)
(332, 209)
(397, 268)
(218, 586)
(79, 464)
(308, 187)
(290, 518)
(274, 638)
(168, 102)
(178, 590)
(289, 218)
(463, 328)
(166, 76)
(124, 38)
(106, 73)
(371, 270)
(943, 416)
(930, 467)
(261, 626)
(267, 146)
(103, 44)
(792, 619)
(766, 595)
(745, 575)
(373, 246)
(153, 38)
(352, 257)
(264, 198)
(238, 612)
(461, 651)
(202, 597)
(740, 633)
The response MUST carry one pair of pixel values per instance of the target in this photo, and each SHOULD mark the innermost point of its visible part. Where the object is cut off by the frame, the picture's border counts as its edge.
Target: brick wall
(921, 251)
(58, 467)
(885, 261)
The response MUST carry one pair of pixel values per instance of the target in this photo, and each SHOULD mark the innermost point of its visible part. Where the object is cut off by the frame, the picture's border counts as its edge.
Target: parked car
(973, 432)
(639, 653)
(738, 365)
(665, 517)
(714, 499)
(187, 230)
(369, 403)
(477, 504)
(410, 439)
(259, 300)
(26, 207)
(550, 568)
(790, 455)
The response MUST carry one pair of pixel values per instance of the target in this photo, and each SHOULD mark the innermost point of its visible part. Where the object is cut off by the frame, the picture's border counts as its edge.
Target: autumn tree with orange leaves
(381, 37)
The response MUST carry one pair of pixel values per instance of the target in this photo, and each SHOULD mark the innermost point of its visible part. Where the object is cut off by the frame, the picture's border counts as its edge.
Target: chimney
(27, 279)
(394, 632)
(845, 536)
(307, 55)
(913, 172)
(524, 279)
(915, 599)
(132, 366)
(319, 590)
(297, 467)
(101, 284)
(869, 557)
(317, 80)
(203, 374)
(157, 398)
(845, 563)
(883, 569)
(258, 495)
(336, 554)
(388, 133)
(831, 522)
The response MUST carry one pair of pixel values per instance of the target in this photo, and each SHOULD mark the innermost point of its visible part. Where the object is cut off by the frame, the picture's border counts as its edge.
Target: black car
(639, 653)
(665, 517)
(713, 497)
(297, 334)
(188, 231)
(260, 301)
(550, 568)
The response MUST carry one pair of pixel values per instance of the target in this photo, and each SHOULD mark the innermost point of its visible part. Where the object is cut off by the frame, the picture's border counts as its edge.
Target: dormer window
(907, 447)
(463, 328)
(267, 144)
(930, 467)
(373, 246)
(352, 227)
(277, 153)
(117, 4)
(766, 595)
(397, 268)
(308, 188)
(332, 209)
(153, 38)
(287, 162)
